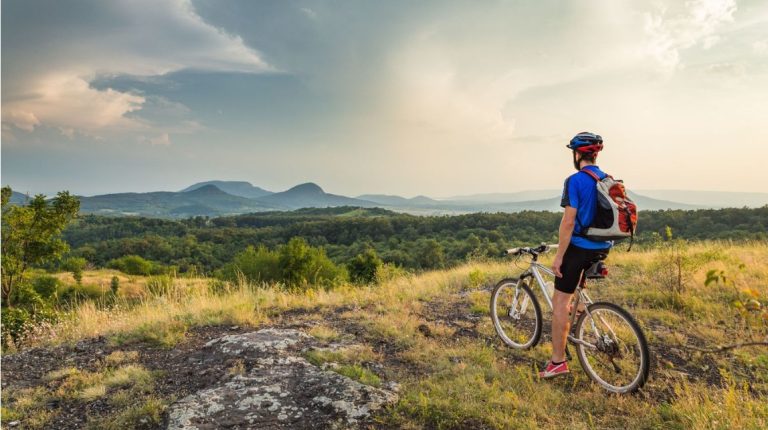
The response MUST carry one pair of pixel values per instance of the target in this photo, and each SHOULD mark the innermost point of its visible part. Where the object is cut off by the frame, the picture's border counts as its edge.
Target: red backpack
(616, 215)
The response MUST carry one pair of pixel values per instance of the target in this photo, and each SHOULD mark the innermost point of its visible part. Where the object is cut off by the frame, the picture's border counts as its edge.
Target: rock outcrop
(276, 389)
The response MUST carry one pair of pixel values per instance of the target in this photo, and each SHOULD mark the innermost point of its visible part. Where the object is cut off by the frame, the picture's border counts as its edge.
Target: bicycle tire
(641, 377)
(520, 286)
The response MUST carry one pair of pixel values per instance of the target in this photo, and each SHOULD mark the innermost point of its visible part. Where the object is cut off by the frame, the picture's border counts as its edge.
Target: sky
(438, 98)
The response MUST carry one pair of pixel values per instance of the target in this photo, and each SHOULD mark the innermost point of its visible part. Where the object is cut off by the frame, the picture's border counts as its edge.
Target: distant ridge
(391, 200)
(210, 199)
(311, 195)
(18, 198)
(712, 199)
(236, 188)
(206, 200)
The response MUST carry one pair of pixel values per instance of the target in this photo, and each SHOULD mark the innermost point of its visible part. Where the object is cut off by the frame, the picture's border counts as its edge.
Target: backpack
(616, 215)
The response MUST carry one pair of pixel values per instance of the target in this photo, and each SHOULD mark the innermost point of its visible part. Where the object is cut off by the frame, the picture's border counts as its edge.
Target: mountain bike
(609, 343)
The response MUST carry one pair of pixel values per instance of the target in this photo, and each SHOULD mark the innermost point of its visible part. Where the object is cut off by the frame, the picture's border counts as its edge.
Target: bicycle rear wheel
(617, 357)
(516, 314)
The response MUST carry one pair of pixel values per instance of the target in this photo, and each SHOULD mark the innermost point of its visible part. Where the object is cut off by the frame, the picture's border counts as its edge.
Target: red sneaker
(553, 370)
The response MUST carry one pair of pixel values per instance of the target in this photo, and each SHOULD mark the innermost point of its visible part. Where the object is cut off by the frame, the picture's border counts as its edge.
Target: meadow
(429, 332)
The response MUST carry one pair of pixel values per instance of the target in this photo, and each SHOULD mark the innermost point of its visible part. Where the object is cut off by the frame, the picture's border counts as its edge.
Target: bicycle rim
(619, 358)
(516, 314)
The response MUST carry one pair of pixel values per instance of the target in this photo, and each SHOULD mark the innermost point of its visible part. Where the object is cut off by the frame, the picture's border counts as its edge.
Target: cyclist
(574, 253)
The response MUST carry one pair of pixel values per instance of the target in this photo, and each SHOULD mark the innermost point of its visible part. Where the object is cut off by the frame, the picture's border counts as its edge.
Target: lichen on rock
(281, 390)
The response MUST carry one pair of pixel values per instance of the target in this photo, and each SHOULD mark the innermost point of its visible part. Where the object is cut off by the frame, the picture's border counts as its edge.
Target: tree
(31, 235)
(430, 254)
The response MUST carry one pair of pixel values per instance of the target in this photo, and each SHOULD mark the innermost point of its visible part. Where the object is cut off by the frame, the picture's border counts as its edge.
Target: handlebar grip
(512, 251)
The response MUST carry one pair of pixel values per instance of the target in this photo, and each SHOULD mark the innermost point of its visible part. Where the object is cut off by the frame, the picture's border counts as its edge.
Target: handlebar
(532, 251)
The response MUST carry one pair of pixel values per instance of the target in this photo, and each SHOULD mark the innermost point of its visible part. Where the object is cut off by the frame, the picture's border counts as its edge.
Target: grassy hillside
(431, 333)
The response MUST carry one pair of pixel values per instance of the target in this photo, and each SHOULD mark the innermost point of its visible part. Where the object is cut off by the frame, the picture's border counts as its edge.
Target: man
(574, 253)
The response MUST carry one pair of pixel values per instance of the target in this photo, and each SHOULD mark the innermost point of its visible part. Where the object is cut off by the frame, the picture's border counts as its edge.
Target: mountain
(389, 200)
(215, 198)
(235, 188)
(311, 195)
(207, 200)
(520, 196)
(18, 198)
(711, 199)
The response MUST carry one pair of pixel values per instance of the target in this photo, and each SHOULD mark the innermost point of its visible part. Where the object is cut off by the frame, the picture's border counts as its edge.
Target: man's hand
(556, 265)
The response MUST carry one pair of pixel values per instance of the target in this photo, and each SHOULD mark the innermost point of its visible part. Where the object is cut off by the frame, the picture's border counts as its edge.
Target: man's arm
(564, 238)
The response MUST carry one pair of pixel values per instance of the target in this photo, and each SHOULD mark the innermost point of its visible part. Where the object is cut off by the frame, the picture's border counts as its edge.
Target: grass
(411, 325)
(348, 362)
(127, 385)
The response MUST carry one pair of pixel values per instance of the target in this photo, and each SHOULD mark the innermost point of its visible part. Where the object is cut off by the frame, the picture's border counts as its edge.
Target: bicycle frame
(535, 270)
(598, 335)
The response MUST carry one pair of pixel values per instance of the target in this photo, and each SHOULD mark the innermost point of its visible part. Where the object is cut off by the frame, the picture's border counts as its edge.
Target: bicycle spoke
(616, 361)
(514, 317)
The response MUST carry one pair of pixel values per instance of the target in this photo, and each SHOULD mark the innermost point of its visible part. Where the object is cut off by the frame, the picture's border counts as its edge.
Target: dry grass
(473, 382)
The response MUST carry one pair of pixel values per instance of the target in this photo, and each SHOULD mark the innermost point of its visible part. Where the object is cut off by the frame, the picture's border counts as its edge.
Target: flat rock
(280, 390)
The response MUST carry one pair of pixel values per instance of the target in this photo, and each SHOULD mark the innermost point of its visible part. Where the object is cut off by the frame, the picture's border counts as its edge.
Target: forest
(204, 245)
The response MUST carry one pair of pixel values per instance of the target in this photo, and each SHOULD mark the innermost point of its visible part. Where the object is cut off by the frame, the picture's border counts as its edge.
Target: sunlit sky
(397, 97)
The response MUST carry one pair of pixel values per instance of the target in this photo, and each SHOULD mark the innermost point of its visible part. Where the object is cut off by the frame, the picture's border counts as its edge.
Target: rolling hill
(207, 200)
(311, 195)
(216, 198)
(236, 188)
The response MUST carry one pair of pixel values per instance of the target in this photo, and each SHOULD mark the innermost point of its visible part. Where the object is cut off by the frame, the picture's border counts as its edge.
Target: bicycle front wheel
(516, 314)
(612, 348)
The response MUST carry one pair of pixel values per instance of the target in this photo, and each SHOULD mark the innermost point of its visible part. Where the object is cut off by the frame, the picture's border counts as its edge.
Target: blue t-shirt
(580, 192)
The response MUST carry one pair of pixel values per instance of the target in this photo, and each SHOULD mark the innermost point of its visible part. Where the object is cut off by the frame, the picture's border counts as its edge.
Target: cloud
(760, 47)
(672, 31)
(24, 120)
(163, 139)
(57, 56)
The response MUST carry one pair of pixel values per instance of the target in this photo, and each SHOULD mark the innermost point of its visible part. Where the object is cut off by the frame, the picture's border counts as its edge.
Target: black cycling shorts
(575, 261)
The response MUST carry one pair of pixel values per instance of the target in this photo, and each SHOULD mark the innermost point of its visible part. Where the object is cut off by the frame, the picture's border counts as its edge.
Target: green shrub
(136, 265)
(14, 321)
(72, 294)
(255, 264)
(114, 285)
(389, 271)
(73, 264)
(46, 286)
(302, 266)
(363, 268)
(296, 264)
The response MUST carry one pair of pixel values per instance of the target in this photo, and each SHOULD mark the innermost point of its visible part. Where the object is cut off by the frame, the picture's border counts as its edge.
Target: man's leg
(560, 322)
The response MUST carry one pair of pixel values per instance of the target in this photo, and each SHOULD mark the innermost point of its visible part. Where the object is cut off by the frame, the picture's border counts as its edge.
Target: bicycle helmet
(586, 142)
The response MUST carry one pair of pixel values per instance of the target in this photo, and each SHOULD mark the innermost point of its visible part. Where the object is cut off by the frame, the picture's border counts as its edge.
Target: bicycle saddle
(597, 270)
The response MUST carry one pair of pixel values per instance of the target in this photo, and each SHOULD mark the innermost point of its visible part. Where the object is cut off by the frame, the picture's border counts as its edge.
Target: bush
(255, 264)
(74, 264)
(363, 268)
(136, 265)
(14, 321)
(45, 286)
(388, 272)
(114, 285)
(295, 264)
(302, 266)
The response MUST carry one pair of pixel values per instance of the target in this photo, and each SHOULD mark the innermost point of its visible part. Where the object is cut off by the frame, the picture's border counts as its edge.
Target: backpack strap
(581, 227)
(591, 173)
